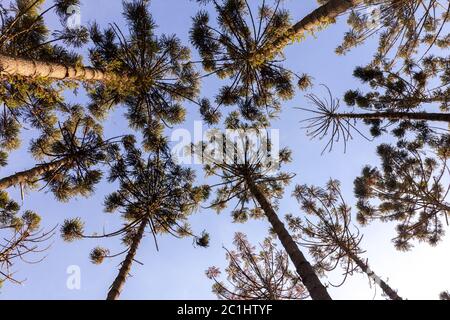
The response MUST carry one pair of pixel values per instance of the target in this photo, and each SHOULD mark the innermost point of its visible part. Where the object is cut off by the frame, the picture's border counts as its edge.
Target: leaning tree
(250, 176)
(155, 196)
(404, 28)
(28, 50)
(70, 155)
(28, 96)
(256, 273)
(246, 46)
(411, 188)
(328, 233)
(20, 237)
(398, 101)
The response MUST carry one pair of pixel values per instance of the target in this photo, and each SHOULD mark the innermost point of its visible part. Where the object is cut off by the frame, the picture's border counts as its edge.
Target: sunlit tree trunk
(324, 14)
(33, 68)
(308, 276)
(31, 174)
(391, 293)
(119, 282)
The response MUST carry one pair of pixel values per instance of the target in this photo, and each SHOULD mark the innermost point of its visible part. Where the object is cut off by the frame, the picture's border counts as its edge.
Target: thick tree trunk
(31, 174)
(391, 293)
(33, 68)
(309, 278)
(119, 282)
(425, 116)
(325, 13)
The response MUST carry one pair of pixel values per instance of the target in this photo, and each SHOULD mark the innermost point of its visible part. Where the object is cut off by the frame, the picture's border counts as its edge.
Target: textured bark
(31, 174)
(309, 278)
(119, 282)
(391, 293)
(425, 116)
(33, 68)
(325, 12)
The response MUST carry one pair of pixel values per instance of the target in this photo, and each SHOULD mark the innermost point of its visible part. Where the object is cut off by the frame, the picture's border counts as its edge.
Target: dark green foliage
(33, 101)
(240, 162)
(24, 33)
(410, 188)
(230, 50)
(79, 144)
(152, 189)
(411, 90)
(158, 73)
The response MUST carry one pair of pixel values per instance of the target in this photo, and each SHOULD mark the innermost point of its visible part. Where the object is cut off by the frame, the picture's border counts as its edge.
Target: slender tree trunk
(309, 278)
(33, 68)
(31, 174)
(324, 13)
(391, 293)
(442, 117)
(119, 282)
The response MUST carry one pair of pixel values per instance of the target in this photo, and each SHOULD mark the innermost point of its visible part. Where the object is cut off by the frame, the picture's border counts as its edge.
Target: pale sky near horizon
(177, 270)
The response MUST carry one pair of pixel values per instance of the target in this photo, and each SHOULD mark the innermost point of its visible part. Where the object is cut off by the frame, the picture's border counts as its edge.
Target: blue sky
(177, 270)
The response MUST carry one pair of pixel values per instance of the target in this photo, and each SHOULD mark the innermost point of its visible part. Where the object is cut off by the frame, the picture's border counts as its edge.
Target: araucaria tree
(410, 187)
(158, 71)
(405, 27)
(20, 237)
(70, 155)
(250, 176)
(155, 196)
(329, 235)
(257, 84)
(246, 47)
(253, 273)
(402, 97)
(398, 101)
(29, 53)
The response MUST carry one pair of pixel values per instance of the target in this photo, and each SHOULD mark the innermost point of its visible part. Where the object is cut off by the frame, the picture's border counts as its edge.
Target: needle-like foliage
(237, 160)
(256, 273)
(405, 27)
(230, 48)
(250, 176)
(158, 71)
(411, 188)
(23, 33)
(155, 197)
(70, 155)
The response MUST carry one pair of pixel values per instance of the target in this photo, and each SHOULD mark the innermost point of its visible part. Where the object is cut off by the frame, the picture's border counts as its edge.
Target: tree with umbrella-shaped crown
(155, 196)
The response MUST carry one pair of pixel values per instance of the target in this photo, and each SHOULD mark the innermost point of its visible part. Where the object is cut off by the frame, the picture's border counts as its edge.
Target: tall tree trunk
(324, 13)
(119, 282)
(391, 293)
(31, 174)
(309, 278)
(425, 116)
(33, 68)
